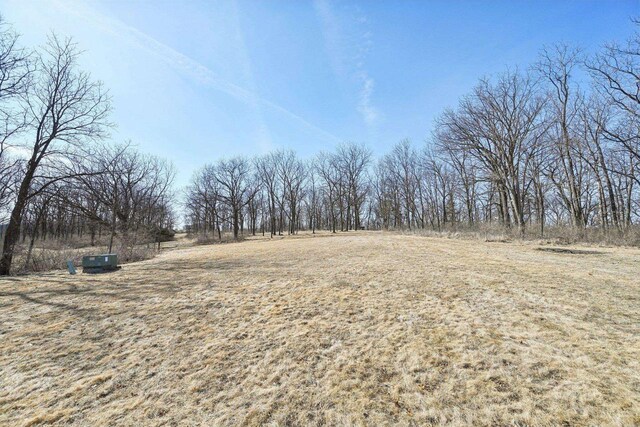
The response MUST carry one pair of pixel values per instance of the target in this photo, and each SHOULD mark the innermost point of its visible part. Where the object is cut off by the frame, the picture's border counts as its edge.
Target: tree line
(556, 144)
(58, 176)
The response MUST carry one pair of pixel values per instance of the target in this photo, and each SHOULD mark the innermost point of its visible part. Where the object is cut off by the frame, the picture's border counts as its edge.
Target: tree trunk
(12, 233)
(236, 220)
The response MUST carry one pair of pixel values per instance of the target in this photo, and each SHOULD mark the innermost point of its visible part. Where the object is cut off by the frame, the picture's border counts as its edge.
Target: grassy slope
(354, 329)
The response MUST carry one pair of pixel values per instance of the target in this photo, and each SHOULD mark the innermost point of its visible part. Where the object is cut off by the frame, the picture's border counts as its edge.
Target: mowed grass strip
(364, 328)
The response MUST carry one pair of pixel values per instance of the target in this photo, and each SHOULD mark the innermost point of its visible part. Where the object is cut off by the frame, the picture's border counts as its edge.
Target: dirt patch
(570, 251)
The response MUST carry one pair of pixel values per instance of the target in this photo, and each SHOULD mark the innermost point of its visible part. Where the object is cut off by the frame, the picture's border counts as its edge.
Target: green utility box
(99, 263)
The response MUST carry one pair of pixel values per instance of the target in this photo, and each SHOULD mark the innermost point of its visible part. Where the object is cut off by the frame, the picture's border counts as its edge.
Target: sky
(194, 81)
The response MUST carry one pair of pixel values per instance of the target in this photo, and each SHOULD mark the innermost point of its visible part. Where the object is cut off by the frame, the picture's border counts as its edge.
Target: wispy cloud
(333, 37)
(348, 42)
(365, 107)
(189, 67)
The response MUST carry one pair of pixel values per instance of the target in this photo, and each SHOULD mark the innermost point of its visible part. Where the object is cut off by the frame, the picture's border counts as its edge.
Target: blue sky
(194, 81)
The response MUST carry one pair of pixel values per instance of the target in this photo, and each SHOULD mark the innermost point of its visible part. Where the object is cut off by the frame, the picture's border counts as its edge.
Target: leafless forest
(551, 150)
(524, 150)
(59, 179)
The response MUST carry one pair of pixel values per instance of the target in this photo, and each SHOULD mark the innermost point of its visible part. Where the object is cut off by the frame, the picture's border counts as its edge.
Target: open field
(355, 329)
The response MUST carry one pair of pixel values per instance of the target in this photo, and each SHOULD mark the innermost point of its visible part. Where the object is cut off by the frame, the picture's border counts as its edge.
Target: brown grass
(356, 329)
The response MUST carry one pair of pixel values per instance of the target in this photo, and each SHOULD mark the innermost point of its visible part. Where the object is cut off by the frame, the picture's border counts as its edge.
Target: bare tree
(501, 125)
(353, 161)
(267, 170)
(616, 72)
(292, 174)
(15, 76)
(557, 65)
(65, 108)
(329, 174)
(126, 191)
(233, 175)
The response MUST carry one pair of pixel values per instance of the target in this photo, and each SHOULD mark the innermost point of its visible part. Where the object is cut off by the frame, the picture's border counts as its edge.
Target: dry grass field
(354, 329)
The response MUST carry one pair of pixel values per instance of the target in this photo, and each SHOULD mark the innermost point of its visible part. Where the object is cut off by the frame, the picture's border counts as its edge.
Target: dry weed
(360, 328)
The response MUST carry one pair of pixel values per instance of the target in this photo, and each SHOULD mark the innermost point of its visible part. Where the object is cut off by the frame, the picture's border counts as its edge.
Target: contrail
(177, 60)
